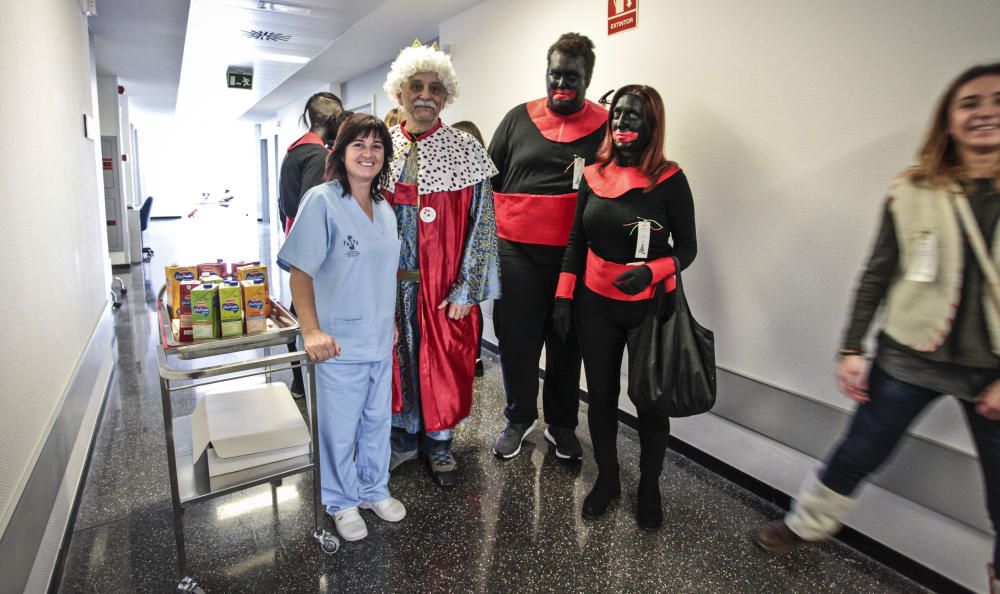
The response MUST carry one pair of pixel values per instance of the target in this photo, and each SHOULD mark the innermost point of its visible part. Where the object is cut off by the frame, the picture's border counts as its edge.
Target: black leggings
(605, 327)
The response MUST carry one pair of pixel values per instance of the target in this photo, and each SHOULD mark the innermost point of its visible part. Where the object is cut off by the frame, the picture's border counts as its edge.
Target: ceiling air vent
(266, 35)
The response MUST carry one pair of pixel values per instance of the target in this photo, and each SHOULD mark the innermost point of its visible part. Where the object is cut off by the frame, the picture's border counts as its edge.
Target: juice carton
(231, 308)
(218, 268)
(210, 278)
(234, 266)
(175, 275)
(205, 311)
(256, 272)
(186, 333)
(254, 298)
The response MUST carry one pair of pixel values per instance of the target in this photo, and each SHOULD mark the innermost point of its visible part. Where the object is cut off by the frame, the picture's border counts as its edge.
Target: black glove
(562, 317)
(635, 280)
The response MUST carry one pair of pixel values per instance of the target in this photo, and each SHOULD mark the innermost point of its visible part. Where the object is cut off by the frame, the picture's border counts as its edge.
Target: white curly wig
(414, 60)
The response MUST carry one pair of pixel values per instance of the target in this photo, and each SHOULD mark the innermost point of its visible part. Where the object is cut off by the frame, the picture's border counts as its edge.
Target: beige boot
(994, 581)
(817, 510)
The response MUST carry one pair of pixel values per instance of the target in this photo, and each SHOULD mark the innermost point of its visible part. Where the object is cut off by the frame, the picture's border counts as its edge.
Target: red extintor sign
(622, 15)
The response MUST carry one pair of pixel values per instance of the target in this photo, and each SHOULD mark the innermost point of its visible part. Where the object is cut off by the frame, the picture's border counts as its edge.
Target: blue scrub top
(353, 263)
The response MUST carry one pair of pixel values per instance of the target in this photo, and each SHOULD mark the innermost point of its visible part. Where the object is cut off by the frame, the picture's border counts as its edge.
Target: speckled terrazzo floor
(509, 526)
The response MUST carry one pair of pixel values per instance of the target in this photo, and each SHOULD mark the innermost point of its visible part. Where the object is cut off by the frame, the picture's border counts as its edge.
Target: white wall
(360, 90)
(54, 247)
(790, 118)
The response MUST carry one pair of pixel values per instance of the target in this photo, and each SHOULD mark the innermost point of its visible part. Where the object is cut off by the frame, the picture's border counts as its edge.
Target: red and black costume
(301, 169)
(611, 205)
(534, 149)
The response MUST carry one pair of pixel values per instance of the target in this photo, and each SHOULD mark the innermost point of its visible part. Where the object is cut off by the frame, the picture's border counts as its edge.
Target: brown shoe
(776, 537)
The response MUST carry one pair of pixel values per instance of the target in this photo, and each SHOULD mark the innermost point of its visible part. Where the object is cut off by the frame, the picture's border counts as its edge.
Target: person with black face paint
(302, 169)
(632, 205)
(541, 148)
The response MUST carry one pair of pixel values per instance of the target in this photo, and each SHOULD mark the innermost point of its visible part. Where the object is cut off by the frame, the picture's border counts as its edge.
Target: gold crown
(416, 43)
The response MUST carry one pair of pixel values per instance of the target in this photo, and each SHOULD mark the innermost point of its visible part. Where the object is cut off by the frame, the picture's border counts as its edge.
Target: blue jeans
(879, 424)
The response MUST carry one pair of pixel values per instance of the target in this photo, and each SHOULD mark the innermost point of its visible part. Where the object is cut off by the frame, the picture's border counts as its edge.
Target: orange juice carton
(254, 298)
(175, 276)
(205, 311)
(231, 308)
(218, 268)
(255, 272)
(186, 332)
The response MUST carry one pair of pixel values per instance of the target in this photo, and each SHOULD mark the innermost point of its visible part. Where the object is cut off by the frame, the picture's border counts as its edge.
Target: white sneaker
(389, 509)
(349, 524)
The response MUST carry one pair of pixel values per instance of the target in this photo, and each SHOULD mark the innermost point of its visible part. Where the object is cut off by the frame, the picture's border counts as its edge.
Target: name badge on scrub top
(923, 265)
(577, 172)
(642, 242)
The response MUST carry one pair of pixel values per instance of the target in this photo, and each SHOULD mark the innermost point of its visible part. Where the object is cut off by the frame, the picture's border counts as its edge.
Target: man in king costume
(448, 262)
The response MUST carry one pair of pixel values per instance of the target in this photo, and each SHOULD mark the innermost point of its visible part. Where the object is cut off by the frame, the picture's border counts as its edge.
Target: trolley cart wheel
(327, 541)
(189, 585)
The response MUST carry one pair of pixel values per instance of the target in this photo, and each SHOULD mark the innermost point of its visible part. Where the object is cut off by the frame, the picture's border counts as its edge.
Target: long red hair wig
(652, 163)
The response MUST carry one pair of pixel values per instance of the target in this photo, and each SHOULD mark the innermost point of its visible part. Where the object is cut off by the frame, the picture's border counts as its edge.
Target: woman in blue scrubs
(343, 252)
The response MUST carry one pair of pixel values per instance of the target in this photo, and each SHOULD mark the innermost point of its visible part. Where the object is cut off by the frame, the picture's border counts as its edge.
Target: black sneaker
(508, 443)
(480, 370)
(442, 465)
(297, 389)
(564, 440)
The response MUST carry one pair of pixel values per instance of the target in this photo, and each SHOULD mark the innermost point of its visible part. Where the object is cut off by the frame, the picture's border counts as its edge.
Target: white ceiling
(141, 41)
(175, 53)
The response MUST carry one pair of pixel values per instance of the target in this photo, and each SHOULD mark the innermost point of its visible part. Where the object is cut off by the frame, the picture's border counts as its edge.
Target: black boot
(605, 490)
(649, 508)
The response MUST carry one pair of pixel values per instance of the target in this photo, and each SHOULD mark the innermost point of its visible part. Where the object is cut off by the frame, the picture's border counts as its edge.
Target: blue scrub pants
(354, 415)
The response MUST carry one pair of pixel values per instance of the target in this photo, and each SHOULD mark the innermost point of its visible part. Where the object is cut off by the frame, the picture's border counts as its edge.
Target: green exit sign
(239, 80)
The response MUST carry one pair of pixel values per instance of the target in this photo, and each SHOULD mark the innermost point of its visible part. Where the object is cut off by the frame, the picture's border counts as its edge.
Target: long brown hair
(652, 163)
(359, 126)
(938, 161)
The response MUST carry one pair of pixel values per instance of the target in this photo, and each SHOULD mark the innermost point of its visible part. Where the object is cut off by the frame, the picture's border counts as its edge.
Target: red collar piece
(615, 180)
(307, 138)
(402, 128)
(562, 128)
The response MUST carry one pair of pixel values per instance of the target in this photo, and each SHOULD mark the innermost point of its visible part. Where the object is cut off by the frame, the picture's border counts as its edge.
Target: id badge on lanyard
(923, 264)
(642, 241)
(577, 172)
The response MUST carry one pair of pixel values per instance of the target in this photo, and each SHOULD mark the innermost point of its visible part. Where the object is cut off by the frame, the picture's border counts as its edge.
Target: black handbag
(674, 367)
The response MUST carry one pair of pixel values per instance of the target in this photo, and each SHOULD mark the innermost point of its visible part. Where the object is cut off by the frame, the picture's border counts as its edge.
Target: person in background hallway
(941, 329)
(634, 223)
(393, 117)
(342, 253)
(540, 148)
(302, 168)
(473, 130)
(440, 189)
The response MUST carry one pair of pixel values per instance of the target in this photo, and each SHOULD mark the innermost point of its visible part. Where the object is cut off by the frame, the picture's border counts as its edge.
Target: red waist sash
(600, 273)
(535, 218)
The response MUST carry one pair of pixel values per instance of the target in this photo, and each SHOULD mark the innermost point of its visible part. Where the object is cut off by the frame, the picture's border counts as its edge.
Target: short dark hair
(320, 109)
(359, 125)
(574, 44)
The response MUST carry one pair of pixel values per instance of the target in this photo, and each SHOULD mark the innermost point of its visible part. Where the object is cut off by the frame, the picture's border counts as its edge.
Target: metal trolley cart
(189, 479)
